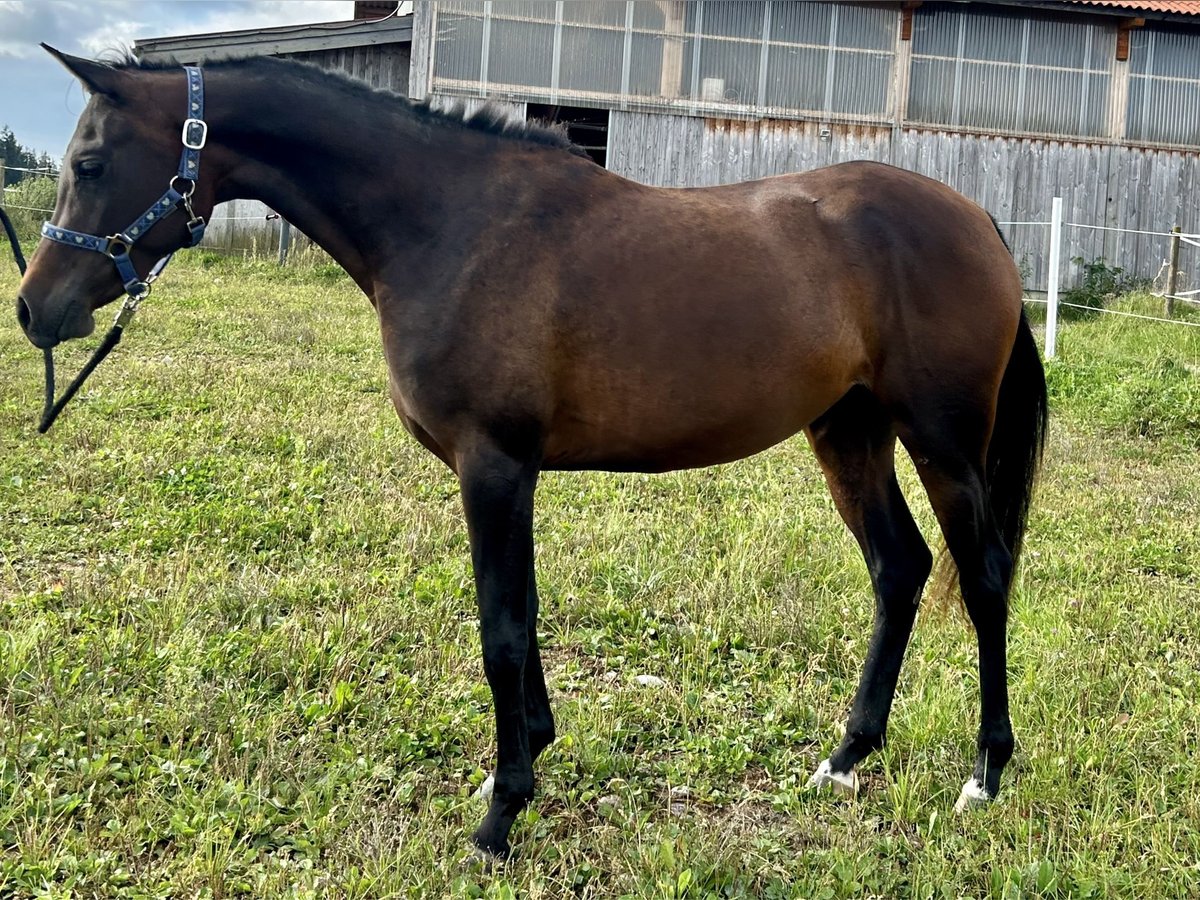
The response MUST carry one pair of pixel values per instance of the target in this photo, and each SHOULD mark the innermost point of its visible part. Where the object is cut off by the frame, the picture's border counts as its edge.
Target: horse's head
(124, 152)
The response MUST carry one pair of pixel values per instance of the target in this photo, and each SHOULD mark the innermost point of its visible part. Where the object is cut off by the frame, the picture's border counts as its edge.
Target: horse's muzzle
(43, 331)
(25, 318)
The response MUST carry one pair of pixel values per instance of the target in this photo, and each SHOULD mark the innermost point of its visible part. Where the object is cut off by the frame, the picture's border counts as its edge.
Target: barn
(1095, 101)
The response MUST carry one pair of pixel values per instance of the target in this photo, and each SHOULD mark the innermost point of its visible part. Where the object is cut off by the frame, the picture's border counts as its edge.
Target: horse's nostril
(24, 316)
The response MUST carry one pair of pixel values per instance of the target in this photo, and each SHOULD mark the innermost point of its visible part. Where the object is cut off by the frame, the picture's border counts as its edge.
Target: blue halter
(116, 246)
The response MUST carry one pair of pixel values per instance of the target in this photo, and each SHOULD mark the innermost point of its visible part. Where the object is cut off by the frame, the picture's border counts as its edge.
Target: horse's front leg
(497, 493)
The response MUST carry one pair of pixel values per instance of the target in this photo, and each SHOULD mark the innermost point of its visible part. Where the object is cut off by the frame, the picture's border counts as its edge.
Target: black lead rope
(21, 266)
(12, 240)
(48, 402)
(50, 408)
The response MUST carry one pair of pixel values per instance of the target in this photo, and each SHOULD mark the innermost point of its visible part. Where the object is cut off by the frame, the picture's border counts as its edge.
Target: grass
(239, 652)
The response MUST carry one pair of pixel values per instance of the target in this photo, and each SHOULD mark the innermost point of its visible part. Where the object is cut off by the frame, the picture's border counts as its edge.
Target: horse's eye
(89, 168)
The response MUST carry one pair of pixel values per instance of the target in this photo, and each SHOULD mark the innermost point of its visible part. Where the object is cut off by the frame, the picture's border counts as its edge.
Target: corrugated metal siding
(1013, 178)
(1011, 71)
(1164, 86)
(734, 58)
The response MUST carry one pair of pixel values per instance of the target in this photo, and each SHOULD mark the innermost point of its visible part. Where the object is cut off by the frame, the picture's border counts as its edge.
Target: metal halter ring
(191, 186)
(124, 242)
(142, 289)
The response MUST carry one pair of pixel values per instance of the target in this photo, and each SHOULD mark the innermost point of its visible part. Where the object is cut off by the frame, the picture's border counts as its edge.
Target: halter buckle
(195, 134)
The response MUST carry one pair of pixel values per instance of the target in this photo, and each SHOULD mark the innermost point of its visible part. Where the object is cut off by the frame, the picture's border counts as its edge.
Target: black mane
(489, 119)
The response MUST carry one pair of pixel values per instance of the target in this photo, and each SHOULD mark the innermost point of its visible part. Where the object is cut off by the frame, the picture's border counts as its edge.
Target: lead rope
(50, 408)
(12, 240)
(47, 354)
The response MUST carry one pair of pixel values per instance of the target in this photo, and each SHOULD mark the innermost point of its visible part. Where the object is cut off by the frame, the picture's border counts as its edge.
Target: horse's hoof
(480, 860)
(974, 796)
(484, 792)
(844, 784)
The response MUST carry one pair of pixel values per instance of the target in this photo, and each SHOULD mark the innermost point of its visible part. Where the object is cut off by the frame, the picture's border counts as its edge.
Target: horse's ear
(96, 77)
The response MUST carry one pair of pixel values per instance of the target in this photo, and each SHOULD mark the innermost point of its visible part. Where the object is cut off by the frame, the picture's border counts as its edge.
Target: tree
(18, 156)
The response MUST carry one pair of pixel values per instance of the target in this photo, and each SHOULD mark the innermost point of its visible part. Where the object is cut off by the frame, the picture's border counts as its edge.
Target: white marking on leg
(844, 784)
(485, 790)
(974, 796)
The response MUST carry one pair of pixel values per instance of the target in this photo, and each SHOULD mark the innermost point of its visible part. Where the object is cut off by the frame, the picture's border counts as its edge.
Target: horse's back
(718, 321)
(942, 291)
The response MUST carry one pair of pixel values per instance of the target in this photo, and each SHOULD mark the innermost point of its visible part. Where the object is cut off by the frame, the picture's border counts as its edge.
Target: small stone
(650, 681)
(609, 803)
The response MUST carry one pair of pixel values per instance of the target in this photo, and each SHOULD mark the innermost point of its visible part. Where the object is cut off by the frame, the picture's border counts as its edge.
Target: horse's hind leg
(958, 493)
(855, 443)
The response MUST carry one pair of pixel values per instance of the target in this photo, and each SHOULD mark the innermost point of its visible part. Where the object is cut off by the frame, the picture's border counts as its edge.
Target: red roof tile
(1179, 7)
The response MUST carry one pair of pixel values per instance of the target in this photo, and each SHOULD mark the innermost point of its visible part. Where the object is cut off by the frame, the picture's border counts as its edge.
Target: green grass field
(238, 648)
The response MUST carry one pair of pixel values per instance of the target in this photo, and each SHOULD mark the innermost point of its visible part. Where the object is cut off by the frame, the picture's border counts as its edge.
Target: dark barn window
(585, 126)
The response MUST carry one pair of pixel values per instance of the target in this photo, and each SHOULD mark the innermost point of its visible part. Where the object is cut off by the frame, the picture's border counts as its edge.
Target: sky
(40, 101)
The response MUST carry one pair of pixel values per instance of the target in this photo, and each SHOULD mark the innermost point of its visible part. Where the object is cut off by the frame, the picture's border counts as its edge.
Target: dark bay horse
(539, 312)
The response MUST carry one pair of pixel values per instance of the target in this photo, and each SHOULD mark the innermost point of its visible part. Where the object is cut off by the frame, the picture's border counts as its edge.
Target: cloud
(22, 25)
(100, 26)
(111, 38)
(40, 101)
(269, 14)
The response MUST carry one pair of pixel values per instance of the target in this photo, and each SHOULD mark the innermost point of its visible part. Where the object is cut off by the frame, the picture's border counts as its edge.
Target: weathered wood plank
(1013, 178)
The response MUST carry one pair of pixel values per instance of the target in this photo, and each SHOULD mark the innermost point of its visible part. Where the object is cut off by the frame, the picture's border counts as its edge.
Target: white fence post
(1056, 221)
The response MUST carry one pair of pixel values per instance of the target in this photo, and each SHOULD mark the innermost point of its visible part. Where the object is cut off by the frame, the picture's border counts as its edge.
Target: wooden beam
(906, 19)
(1123, 30)
(271, 41)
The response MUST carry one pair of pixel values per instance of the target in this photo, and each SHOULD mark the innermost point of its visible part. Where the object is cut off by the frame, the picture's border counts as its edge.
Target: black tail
(1018, 438)
(1014, 454)
(1019, 435)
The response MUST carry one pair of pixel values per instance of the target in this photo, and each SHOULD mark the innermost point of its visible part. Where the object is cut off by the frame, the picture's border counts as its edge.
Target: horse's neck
(370, 189)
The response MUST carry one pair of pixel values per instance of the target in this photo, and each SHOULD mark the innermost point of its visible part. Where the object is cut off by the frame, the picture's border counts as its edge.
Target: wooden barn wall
(381, 66)
(242, 225)
(1013, 178)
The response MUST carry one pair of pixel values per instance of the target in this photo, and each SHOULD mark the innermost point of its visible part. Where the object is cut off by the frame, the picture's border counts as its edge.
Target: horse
(539, 312)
